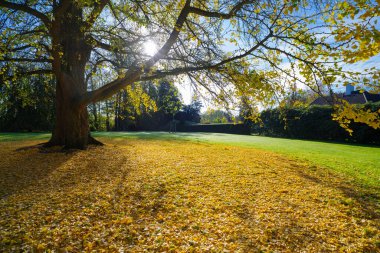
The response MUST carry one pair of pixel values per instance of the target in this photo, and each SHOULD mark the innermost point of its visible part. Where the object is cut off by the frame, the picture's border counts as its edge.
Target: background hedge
(229, 128)
(314, 122)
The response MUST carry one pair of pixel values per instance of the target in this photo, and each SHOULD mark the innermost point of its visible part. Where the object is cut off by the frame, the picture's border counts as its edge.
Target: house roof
(356, 97)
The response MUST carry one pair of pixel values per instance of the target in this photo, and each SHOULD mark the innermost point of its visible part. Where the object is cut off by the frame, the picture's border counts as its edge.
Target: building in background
(351, 95)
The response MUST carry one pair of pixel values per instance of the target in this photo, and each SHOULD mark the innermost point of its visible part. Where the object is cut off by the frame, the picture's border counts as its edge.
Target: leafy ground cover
(358, 163)
(174, 194)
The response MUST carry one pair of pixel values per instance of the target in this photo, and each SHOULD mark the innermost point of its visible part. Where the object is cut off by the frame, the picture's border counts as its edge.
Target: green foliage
(229, 128)
(134, 103)
(27, 104)
(313, 122)
(101, 123)
(150, 108)
(216, 116)
(169, 100)
(190, 113)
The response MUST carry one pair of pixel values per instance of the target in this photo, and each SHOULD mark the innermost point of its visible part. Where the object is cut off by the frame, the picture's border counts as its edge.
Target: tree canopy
(228, 48)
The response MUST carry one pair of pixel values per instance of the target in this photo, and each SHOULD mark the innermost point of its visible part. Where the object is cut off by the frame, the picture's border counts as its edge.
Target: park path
(180, 196)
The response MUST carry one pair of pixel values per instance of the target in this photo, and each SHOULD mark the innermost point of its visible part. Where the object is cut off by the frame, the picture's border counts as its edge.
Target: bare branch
(172, 38)
(15, 49)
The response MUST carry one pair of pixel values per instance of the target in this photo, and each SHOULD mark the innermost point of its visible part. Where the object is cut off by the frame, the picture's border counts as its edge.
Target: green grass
(23, 136)
(358, 162)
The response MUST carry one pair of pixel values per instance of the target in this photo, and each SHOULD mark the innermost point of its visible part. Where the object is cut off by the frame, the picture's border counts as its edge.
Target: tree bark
(71, 127)
(71, 53)
(108, 125)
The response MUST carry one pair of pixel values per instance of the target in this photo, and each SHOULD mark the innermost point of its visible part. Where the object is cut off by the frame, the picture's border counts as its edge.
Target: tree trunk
(117, 112)
(71, 128)
(108, 126)
(71, 53)
(94, 109)
(99, 115)
(71, 125)
(96, 120)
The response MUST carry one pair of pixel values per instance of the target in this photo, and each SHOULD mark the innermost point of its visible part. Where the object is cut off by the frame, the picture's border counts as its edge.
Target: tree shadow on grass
(40, 191)
(297, 225)
(21, 167)
(367, 198)
(50, 169)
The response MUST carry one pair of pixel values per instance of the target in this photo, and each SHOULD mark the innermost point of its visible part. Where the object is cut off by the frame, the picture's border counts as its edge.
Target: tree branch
(172, 38)
(95, 13)
(93, 70)
(29, 73)
(19, 48)
(134, 74)
(214, 14)
(25, 60)
(26, 9)
(178, 71)
(37, 72)
(61, 8)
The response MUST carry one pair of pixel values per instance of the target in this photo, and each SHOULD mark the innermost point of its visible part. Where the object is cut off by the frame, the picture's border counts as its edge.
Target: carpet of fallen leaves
(172, 196)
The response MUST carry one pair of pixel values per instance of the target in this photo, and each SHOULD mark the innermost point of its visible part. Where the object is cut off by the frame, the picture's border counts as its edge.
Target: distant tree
(169, 100)
(295, 97)
(146, 106)
(134, 103)
(216, 116)
(190, 112)
(27, 104)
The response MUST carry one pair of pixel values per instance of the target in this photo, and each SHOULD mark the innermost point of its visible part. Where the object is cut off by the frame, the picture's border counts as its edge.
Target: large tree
(231, 48)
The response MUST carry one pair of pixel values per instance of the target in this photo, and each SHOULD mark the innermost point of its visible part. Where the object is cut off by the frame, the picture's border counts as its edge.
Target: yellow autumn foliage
(175, 196)
(347, 113)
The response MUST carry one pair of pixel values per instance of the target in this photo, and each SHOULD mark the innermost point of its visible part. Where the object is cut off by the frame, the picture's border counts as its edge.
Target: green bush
(215, 128)
(314, 122)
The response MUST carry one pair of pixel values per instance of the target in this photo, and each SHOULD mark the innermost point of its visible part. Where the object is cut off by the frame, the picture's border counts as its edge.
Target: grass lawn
(189, 192)
(360, 163)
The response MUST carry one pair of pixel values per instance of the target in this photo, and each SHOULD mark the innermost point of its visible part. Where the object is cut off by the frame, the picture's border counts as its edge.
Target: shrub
(215, 128)
(314, 122)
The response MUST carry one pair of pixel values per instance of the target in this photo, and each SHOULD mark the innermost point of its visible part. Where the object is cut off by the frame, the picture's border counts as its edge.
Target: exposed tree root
(53, 144)
(93, 141)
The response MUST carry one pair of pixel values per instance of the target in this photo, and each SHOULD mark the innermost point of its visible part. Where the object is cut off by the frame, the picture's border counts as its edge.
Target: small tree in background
(190, 112)
(216, 116)
(169, 101)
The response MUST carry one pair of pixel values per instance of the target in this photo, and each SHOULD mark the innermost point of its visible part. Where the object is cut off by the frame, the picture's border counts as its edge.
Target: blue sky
(187, 91)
